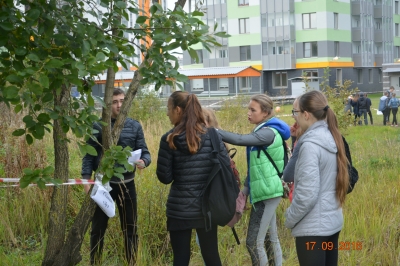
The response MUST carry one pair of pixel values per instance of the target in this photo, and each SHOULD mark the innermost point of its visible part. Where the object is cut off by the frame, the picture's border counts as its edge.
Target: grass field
(371, 211)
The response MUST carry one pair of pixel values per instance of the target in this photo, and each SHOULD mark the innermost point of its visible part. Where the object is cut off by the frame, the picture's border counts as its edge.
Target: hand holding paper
(134, 159)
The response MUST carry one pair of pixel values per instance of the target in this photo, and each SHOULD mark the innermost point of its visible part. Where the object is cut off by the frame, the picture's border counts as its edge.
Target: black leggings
(180, 241)
(394, 112)
(314, 250)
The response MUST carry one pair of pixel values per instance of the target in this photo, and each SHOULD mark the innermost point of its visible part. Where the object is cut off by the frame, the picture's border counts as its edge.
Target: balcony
(378, 35)
(355, 8)
(356, 34)
(378, 12)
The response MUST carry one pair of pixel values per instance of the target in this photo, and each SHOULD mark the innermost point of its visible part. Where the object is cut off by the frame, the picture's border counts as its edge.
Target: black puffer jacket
(188, 174)
(131, 135)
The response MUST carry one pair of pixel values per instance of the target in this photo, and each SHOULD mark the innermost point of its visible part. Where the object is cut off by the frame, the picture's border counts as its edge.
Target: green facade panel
(396, 41)
(323, 35)
(244, 63)
(323, 59)
(322, 6)
(236, 11)
(396, 18)
(245, 39)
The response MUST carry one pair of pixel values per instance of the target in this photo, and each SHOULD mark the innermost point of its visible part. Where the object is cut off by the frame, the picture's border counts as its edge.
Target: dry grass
(371, 212)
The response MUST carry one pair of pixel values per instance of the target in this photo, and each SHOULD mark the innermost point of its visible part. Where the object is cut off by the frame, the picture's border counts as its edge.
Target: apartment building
(282, 39)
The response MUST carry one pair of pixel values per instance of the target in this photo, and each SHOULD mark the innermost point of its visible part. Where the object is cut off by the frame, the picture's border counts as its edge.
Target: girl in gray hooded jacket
(321, 182)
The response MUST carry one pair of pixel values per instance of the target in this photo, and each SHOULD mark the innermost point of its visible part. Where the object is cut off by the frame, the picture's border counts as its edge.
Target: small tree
(337, 97)
(50, 46)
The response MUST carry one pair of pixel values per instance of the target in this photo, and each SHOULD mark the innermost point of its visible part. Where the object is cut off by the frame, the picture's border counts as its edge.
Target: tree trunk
(57, 216)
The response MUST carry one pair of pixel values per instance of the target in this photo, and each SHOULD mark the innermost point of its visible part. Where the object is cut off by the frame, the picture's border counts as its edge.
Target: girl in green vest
(263, 183)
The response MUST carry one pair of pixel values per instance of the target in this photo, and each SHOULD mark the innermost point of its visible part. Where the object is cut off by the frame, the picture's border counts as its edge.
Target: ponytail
(192, 120)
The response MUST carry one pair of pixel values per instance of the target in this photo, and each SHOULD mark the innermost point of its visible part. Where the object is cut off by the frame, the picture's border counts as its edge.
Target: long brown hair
(192, 120)
(316, 103)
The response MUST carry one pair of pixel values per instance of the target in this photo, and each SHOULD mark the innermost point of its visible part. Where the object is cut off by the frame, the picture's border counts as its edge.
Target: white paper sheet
(135, 156)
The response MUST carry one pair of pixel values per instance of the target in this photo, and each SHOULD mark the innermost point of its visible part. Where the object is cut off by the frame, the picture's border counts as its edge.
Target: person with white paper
(123, 191)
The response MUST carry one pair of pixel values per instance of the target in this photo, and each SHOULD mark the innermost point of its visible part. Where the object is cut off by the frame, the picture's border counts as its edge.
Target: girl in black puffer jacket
(184, 161)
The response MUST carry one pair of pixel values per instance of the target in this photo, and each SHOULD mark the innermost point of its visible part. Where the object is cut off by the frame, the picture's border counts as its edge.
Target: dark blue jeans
(363, 113)
(125, 197)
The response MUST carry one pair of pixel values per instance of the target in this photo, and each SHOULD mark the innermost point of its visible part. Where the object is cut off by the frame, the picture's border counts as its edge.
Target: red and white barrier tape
(70, 182)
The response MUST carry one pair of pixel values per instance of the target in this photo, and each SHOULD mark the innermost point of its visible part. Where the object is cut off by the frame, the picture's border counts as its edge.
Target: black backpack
(362, 103)
(353, 173)
(221, 191)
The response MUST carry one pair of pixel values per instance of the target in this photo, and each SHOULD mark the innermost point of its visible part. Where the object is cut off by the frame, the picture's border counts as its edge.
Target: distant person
(354, 104)
(369, 103)
(262, 183)
(362, 109)
(184, 162)
(347, 105)
(390, 93)
(123, 190)
(321, 181)
(394, 106)
(383, 106)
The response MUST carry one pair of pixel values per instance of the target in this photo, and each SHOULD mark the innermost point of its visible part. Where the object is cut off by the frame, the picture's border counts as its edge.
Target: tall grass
(371, 211)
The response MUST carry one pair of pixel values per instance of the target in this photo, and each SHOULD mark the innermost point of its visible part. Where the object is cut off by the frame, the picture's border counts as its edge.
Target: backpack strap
(280, 174)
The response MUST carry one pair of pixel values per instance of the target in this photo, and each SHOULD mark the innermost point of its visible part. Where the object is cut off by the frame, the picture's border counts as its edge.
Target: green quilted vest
(264, 180)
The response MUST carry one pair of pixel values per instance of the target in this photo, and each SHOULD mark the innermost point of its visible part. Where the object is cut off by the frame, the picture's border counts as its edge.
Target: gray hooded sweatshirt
(315, 210)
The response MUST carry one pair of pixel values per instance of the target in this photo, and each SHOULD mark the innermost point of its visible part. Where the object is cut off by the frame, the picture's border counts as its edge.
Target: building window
(245, 53)
(370, 80)
(243, 2)
(397, 51)
(336, 44)
(311, 74)
(396, 29)
(339, 76)
(396, 7)
(380, 75)
(264, 48)
(280, 79)
(310, 21)
(359, 76)
(245, 83)
(197, 84)
(200, 56)
(336, 20)
(263, 20)
(244, 25)
(223, 52)
(223, 84)
(310, 49)
(378, 24)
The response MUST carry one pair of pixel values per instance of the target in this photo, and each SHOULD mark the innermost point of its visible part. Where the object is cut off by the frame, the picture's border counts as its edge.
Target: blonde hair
(265, 102)
(210, 118)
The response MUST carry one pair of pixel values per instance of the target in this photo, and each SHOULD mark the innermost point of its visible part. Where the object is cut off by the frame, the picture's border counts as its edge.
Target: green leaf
(53, 115)
(197, 14)
(193, 54)
(36, 89)
(222, 34)
(110, 172)
(33, 14)
(24, 182)
(18, 132)
(48, 170)
(29, 139)
(54, 63)
(153, 9)
(33, 57)
(141, 19)
(82, 149)
(85, 47)
(28, 120)
(38, 131)
(14, 79)
(7, 26)
(41, 184)
(44, 118)
(44, 80)
(100, 56)
(47, 97)
(121, 176)
(10, 92)
(182, 78)
(18, 108)
(91, 150)
(27, 171)
(20, 51)
(121, 4)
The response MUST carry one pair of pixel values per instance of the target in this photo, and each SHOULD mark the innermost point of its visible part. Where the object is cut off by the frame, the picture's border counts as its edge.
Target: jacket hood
(181, 143)
(320, 135)
(383, 97)
(279, 125)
